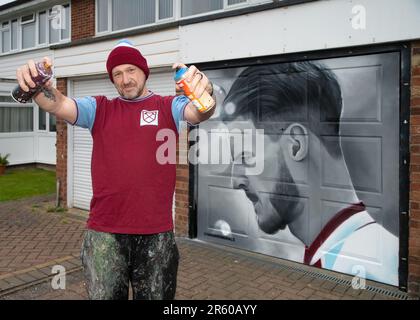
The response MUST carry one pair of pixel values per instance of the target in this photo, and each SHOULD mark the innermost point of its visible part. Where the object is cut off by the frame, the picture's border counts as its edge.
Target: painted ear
(297, 141)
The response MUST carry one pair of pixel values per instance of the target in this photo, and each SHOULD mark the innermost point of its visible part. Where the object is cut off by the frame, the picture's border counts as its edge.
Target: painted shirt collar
(337, 230)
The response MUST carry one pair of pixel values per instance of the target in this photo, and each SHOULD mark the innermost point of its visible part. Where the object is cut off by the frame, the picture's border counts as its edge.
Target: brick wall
(181, 201)
(61, 149)
(82, 19)
(414, 225)
(182, 187)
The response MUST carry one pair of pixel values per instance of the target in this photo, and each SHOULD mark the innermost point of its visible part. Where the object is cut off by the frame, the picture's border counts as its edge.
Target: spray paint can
(44, 74)
(204, 103)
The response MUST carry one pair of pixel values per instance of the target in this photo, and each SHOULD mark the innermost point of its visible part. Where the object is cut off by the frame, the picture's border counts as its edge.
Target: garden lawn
(22, 183)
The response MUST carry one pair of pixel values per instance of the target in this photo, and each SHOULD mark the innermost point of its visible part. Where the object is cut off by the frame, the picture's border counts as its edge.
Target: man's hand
(198, 83)
(49, 99)
(25, 73)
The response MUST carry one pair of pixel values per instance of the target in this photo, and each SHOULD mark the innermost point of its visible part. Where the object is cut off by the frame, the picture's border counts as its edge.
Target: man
(130, 229)
(298, 105)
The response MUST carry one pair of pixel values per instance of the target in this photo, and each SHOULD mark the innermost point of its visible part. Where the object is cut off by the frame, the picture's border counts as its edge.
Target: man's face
(271, 192)
(129, 80)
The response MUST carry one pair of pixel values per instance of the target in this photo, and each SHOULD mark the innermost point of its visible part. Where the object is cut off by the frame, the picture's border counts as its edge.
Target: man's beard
(132, 93)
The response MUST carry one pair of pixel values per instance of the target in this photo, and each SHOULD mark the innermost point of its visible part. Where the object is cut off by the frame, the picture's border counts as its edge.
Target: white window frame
(17, 105)
(157, 20)
(9, 28)
(226, 4)
(37, 114)
(20, 31)
(47, 121)
(51, 17)
(28, 21)
(47, 31)
(18, 37)
(226, 7)
(69, 38)
(165, 19)
(109, 29)
(35, 18)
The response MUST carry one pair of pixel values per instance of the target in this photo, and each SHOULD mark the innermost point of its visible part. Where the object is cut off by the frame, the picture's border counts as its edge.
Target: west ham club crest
(149, 118)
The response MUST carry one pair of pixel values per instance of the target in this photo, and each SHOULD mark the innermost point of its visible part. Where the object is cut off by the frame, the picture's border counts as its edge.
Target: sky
(5, 1)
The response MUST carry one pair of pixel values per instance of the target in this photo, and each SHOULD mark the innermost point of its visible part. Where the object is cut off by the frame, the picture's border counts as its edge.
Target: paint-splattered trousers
(112, 261)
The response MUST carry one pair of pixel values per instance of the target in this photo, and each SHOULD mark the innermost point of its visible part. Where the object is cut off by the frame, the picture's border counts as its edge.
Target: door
(328, 193)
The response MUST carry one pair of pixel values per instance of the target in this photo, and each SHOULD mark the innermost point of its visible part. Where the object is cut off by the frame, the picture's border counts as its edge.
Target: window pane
(29, 17)
(42, 120)
(28, 35)
(102, 15)
(231, 2)
(166, 9)
(6, 41)
(54, 32)
(14, 34)
(53, 125)
(42, 27)
(16, 119)
(6, 99)
(191, 7)
(132, 13)
(65, 33)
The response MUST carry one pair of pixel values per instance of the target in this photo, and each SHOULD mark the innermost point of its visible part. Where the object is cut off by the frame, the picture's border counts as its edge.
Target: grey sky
(5, 1)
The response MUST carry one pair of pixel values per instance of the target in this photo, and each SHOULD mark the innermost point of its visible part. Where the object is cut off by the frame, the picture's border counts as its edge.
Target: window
(28, 31)
(54, 31)
(42, 28)
(102, 13)
(65, 32)
(43, 119)
(233, 2)
(5, 37)
(36, 29)
(53, 123)
(114, 15)
(192, 7)
(14, 117)
(59, 23)
(14, 35)
(131, 13)
(166, 9)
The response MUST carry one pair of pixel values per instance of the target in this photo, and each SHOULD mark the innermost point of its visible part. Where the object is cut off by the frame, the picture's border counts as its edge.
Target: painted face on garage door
(278, 99)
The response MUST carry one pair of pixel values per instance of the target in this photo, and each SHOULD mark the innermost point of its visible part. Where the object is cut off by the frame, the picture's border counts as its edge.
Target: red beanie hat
(125, 53)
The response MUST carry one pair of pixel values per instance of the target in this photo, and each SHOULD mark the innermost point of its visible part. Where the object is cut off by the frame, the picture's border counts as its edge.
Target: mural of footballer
(288, 93)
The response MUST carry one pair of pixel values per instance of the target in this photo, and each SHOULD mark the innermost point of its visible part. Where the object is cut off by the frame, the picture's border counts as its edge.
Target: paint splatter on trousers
(112, 261)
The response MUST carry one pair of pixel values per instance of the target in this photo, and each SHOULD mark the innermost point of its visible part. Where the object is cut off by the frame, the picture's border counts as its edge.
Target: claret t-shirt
(132, 191)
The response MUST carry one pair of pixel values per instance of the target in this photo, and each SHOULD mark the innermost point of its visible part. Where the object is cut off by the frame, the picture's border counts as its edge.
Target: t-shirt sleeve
(178, 106)
(86, 111)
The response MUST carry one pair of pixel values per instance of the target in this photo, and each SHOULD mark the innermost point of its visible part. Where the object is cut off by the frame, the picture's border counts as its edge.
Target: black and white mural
(318, 182)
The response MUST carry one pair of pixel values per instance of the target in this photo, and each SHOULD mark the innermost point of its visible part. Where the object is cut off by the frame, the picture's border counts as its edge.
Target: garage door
(328, 194)
(160, 83)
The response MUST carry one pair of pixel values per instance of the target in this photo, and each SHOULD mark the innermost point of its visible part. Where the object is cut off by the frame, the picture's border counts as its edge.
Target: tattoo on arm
(49, 94)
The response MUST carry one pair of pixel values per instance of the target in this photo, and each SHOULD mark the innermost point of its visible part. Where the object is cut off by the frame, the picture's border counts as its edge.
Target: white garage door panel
(161, 83)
